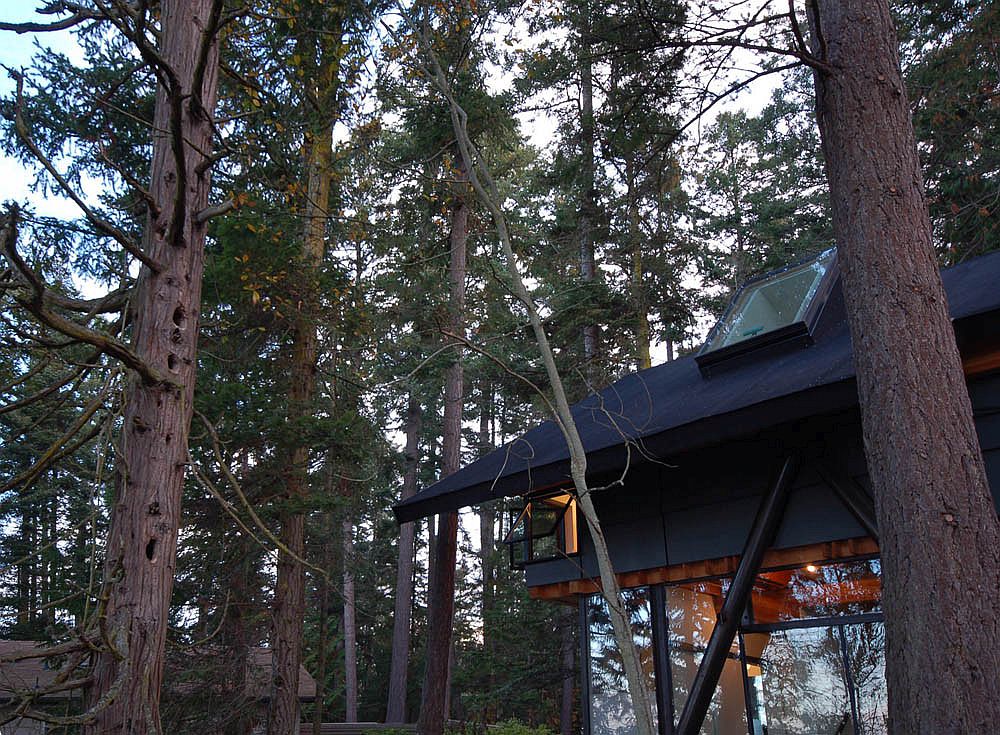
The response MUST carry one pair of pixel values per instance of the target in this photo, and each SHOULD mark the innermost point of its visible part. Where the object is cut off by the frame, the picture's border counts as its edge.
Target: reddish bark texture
(940, 538)
(142, 543)
(442, 589)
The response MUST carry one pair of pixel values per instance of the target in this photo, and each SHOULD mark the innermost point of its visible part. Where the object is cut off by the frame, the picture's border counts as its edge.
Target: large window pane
(691, 615)
(866, 656)
(818, 591)
(611, 710)
(798, 681)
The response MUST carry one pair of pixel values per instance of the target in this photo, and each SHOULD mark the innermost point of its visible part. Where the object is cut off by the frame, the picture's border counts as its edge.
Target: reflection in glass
(610, 706)
(517, 538)
(799, 681)
(691, 611)
(817, 591)
(866, 657)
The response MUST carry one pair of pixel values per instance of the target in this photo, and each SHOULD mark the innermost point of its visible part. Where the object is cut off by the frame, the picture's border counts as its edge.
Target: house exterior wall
(701, 505)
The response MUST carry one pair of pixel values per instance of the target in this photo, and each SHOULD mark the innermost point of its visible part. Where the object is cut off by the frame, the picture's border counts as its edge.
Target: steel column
(765, 527)
(661, 659)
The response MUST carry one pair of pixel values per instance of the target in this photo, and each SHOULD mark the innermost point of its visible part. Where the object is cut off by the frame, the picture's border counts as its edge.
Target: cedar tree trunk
(142, 542)
(940, 539)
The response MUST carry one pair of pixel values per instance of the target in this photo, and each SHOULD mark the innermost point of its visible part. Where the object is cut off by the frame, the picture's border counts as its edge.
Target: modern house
(732, 479)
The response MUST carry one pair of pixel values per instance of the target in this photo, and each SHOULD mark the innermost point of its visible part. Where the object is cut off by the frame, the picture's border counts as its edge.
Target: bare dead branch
(216, 210)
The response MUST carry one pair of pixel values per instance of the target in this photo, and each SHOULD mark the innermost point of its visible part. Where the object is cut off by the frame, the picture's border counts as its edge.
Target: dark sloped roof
(671, 407)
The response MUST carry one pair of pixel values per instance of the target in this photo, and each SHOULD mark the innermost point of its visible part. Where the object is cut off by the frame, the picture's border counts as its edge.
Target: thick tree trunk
(441, 593)
(289, 591)
(142, 543)
(939, 534)
(396, 707)
(350, 627)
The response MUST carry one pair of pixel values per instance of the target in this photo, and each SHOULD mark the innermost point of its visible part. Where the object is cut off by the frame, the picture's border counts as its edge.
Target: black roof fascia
(747, 399)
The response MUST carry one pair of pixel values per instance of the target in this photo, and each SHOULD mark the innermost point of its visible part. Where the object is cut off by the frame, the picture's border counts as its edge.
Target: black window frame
(799, 333)
(558, 530)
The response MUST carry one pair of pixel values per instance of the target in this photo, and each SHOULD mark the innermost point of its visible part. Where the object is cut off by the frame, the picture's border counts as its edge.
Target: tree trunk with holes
(441, 593)
(142, 543)
(939, 534)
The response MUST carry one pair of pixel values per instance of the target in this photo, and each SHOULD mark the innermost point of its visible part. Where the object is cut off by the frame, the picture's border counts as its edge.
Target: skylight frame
(799, 331)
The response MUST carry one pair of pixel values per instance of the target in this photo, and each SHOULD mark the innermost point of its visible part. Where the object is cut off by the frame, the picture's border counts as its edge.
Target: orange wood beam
(981, 361)
(691, 571)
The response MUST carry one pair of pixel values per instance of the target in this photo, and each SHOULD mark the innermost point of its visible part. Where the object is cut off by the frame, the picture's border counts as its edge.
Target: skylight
(779, 305)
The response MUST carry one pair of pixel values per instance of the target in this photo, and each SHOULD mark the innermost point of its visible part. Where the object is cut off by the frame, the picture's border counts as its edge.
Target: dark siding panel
(547, 572)
(639, 544)
(992, 458)
(985, 395)
(814, 513)
(985, 391)
(710, 531)
(988, 428)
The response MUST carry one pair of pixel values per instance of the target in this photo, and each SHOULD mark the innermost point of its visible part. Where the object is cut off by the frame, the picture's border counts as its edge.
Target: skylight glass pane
(772, 303)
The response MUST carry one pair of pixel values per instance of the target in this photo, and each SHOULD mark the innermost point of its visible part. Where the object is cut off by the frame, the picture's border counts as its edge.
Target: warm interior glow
(569, 521)
(811, 568)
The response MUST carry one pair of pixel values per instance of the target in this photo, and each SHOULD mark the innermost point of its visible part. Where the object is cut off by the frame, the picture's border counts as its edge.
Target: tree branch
(100, 224)
(36, 305)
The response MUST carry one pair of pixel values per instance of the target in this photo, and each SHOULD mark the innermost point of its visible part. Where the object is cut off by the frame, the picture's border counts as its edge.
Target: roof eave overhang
(699, 434)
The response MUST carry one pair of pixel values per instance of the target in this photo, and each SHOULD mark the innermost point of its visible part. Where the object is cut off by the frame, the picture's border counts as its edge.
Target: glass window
(546, 528)
(517, 539)
(771, 303)
(797, 682)
(866, 657)
(611, 710)
(691, 616)
(817, 591)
